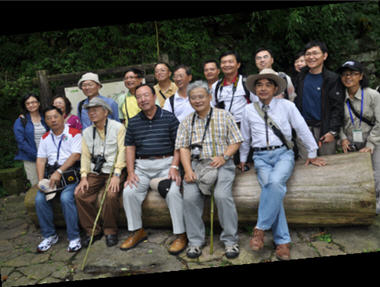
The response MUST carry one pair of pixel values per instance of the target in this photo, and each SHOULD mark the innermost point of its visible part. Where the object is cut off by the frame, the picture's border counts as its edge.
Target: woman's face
(299, 63)
(60, 104)
(351, 79)
(32, 104)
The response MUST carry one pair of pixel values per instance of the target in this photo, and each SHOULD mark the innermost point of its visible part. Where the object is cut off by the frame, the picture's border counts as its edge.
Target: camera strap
(206, 126)
(219, 87)
(94, 135)
(59, 145)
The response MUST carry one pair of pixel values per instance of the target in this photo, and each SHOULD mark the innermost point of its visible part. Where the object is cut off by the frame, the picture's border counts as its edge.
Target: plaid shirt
(225, 132)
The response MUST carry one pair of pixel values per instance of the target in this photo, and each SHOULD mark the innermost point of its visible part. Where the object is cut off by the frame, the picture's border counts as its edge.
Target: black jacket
(332, 99)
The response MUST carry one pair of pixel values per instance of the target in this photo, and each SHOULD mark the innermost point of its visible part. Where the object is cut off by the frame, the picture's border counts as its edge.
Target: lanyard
(233, 91)
(361, 111)
(206, 126)
(59, 145)
(94, 135)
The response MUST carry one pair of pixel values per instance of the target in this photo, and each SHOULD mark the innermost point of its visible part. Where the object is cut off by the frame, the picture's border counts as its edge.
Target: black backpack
(247, 93)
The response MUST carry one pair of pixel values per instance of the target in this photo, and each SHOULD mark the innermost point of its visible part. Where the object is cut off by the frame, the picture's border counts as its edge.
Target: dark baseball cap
(350, 65)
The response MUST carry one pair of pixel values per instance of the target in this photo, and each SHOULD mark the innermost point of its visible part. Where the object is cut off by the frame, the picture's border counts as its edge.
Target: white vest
(113, 128)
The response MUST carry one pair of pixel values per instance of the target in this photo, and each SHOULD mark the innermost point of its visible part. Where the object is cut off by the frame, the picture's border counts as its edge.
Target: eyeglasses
(314, 53)
(259, 58)
(346, 74)
(197, 97)
(88, 85)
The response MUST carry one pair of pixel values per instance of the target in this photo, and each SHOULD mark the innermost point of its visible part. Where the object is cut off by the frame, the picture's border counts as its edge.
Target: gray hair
(197, 84)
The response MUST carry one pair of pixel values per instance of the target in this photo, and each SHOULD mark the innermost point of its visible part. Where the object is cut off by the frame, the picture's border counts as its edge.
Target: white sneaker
(74, 245)
(47, 243)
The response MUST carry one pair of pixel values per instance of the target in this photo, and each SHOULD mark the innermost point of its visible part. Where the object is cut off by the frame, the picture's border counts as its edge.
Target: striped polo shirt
(153, 137)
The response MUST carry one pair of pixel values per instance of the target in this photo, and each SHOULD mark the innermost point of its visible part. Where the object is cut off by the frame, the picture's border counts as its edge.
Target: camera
(196, 150)
(352, 147)
(221, 105)
(98, 160)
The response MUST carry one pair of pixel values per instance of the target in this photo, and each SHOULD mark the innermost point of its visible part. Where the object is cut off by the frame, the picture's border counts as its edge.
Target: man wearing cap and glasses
(58, 153)
(150, 154)
(273, 155)
(102, 147)
(90, 85)
(207, 139)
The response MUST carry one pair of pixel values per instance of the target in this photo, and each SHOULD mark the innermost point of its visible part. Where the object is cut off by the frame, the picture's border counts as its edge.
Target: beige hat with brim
(266, 74)
(206, 176)
(97, 102)
(89, 77)
(44, 186)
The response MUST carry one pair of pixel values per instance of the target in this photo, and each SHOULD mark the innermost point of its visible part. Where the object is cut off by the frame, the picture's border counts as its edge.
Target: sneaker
(74, 245)
(232, 251)
(193, 251)
(47, 243)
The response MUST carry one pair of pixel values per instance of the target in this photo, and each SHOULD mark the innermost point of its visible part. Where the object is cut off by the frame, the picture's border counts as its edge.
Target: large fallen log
(340, 193)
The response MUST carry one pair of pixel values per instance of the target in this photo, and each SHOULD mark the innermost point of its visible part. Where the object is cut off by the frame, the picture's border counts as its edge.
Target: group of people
(190, 137)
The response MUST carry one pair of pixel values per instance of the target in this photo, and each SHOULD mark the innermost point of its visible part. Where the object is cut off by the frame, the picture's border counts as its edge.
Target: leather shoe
(257, 241)
(178, 245)
(283, 251)
(111, 239)
(134, 239)
(87, 238)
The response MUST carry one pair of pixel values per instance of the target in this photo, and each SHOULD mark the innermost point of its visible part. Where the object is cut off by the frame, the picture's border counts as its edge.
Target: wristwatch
(116, 174)
(333, 133)
(226, 157)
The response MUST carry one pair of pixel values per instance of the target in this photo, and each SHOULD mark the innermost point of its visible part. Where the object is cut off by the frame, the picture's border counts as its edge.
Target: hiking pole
(100, 209)
(212, 197)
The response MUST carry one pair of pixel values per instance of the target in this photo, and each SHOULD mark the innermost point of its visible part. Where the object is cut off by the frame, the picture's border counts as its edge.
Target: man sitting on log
(267, 127)
(102, 142)
(208, 138)
(58, 152)
(150, 154)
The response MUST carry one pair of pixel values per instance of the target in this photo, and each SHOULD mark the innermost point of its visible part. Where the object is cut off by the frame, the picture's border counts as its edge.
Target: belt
(153, 156)
(273, 147)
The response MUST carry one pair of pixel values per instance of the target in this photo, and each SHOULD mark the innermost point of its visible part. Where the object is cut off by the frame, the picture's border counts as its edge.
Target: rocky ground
(21, 265)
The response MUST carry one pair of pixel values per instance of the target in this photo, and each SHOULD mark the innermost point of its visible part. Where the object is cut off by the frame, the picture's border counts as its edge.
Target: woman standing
(28, 130)
(64, 104)
(361, 127)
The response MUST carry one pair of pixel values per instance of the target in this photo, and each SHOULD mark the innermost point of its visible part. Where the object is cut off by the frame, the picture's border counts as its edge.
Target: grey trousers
(193, 203)
(376, 172)
(325, 149)
(133, 197)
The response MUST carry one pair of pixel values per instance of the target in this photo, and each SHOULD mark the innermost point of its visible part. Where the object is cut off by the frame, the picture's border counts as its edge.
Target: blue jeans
(45, 213)
(273, 171)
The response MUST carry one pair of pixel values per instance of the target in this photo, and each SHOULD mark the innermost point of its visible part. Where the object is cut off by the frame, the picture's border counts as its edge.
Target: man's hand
(55, 178)
(114, 185)
(366, 149)
(217, 161)
(174, 175)
(132, 179)
(316, 161)
(82, 186)
(328, 137)
(190, 176)
(346, 145)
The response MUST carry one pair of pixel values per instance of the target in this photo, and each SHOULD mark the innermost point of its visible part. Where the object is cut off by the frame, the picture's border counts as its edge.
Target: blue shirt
(311, 99)
(83, 116)
(153, 137)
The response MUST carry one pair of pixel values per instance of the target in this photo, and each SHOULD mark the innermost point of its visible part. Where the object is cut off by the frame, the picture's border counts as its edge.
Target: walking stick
(212, 197)
(100, 209)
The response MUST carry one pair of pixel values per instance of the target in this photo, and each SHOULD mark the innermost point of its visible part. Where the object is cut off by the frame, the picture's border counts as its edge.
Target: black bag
(69, 176)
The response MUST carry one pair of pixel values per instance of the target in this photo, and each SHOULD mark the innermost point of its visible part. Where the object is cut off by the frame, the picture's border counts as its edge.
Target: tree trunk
(340, 193)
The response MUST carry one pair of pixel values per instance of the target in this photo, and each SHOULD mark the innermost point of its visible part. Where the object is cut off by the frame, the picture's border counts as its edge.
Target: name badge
(357, 135)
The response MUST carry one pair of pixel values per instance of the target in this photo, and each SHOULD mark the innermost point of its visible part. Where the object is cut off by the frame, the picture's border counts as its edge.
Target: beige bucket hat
(266, 74)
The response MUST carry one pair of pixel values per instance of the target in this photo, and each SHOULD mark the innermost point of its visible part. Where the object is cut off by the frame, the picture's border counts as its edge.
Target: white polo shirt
(182, 107)
(69, 142)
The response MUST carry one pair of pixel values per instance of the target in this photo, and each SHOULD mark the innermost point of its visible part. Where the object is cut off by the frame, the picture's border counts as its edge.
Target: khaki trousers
(325, 149)
(87, 206)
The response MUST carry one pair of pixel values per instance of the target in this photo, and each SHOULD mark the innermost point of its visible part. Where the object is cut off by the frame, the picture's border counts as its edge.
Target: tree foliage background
(347, 29)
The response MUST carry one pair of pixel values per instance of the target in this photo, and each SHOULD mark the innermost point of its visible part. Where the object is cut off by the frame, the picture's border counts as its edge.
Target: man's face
(265, 90)
(211, 71)
(229, 65)
(161, 72)
(200, 100)
(146, 100)
(181, 79)
(314, 57)
(54, 120)
(131, 81)
(97, 114)
(263, 60)
(90, 88)
(351, 79)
